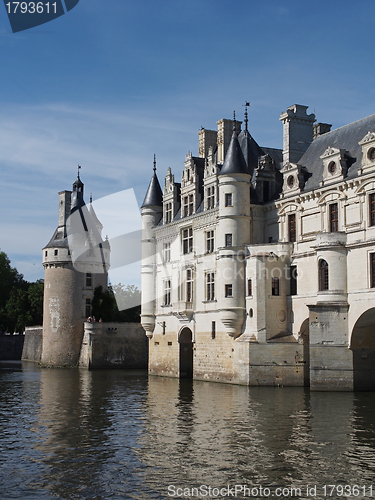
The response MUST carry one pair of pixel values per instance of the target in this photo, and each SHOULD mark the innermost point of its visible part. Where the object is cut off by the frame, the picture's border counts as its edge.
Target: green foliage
(21, 302)
(104, 305)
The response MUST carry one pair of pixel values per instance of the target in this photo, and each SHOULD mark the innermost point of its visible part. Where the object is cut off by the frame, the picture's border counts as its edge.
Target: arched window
(323, 276)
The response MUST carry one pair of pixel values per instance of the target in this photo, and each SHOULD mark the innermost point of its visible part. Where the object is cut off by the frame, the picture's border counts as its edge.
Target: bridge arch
(362, 344)
(185, 340)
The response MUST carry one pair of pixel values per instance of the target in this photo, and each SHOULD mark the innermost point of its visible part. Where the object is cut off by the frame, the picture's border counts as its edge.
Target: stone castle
(258, 268)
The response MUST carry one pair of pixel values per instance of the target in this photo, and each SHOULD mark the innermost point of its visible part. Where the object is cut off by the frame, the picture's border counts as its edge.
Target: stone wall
(32, 347)
(114, 345)
(11, 347)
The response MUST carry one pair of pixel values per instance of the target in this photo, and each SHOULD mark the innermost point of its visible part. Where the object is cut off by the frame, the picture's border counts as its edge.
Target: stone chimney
(207, 139)
(224, 135)
(64, 207)
(298, 132)
(321, 128)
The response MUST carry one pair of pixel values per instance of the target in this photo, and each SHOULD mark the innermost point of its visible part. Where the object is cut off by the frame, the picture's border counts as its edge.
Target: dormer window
(188, 174)
(291, 181)
(168, 212)
(335, 164)
(210, 197)
(368, 151)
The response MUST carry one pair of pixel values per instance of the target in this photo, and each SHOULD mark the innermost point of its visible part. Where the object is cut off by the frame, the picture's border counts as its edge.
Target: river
(75, 434)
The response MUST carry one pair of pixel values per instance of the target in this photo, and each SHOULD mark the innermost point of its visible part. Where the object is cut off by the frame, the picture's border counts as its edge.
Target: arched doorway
(363, 347)
(304, 336)
(186, 353)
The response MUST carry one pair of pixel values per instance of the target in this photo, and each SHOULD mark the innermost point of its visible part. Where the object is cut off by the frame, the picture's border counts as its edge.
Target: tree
(104, 304)
(21, 302)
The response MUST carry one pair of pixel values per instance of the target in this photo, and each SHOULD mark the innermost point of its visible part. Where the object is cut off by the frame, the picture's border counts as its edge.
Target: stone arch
(304, 337)
(362, 344)
(185, 340)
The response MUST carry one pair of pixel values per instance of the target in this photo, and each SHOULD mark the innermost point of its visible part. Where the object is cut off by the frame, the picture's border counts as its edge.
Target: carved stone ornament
(329, 152)
(369, 137)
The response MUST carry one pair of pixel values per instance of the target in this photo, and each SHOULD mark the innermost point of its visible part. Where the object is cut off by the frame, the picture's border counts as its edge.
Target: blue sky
(115, 81)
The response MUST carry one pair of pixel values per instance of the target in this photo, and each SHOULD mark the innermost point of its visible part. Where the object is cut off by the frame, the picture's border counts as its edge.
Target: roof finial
(79, 166)
(246, 119)
(154, 164)
(90, 197)
(234, 121)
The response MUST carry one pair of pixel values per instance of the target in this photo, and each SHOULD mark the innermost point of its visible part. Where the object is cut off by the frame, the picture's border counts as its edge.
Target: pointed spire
(154, 195)
(246, 118)
(234, 162)
(77, 200)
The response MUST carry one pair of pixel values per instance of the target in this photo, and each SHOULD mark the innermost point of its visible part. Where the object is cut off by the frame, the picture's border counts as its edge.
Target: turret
(67, 291)
(233, 235)
(152, 212)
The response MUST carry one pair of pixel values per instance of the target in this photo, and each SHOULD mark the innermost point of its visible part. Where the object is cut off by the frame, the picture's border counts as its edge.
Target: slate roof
(347, 138)
(250, 149)
(154, 195)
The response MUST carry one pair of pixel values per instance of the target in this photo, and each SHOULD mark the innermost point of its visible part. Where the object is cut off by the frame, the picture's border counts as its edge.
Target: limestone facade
(259, 267)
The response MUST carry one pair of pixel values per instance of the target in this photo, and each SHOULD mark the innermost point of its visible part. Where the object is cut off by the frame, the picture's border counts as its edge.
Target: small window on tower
(228, 240)
(229, 290)
(88, 280)
(56, 252)
(228, 199)
(275, 286)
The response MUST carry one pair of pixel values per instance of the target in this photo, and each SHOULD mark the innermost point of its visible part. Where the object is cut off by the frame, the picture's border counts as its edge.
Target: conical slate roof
(154, 195)
(234, 162)
(250, 150)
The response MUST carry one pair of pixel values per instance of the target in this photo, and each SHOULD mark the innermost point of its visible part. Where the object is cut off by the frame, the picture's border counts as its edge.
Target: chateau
(258, 268)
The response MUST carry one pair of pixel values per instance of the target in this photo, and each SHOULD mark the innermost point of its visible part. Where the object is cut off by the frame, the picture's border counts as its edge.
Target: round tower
(68, 291)
(233, 235)
(152, 212)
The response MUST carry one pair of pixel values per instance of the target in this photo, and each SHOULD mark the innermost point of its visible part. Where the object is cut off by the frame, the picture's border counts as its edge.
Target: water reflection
(70, 434)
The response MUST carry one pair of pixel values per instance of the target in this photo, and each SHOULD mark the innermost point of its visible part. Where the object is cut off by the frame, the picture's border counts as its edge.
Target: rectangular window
(210, 286)
(372, 209)
(228, 240)
(228, 290)
(56, 252)
(333, 217)
(372, 270)
(249, 288)
(46, 253)
(323, 276)
(88, 308)
(209, 241)
(275, 286)
(166, 252)
(292, 227)
(213, 330)
(191, 204)
(189, 285)
(228, 199)
(293, 280)
(88, 280)
(187, 240)
(186, 206)
(210, 197)
(168, 213)
(167, 293)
